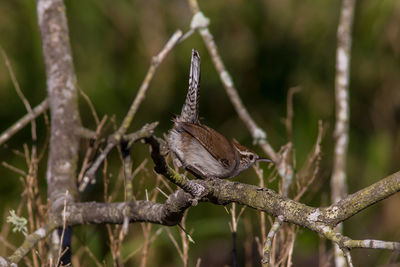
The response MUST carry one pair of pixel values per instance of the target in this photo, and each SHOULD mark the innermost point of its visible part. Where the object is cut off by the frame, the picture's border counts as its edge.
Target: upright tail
(190, 110)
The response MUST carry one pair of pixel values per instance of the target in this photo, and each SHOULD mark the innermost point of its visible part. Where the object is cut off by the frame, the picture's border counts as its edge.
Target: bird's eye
(251, 157)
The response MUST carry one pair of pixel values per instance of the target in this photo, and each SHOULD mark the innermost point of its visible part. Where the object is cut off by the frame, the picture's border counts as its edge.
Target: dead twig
(119, 134)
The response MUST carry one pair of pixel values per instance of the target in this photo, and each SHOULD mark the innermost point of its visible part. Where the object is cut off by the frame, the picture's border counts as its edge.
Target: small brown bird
(200, 149)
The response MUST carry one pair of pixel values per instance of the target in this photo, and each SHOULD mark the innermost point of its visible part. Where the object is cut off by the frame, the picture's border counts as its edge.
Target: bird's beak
(264, 160)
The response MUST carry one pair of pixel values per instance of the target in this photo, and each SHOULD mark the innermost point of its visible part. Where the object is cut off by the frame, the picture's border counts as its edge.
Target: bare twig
(371, 243)
(312, 168)
(260, 175)
(289, 112)
(233, 227)
(146, 82)
(141, 247)
(24, 100)
(14, 169)
(140, 96)
(146, 227)
(90, 174)
(91, 106)
(198, 262)
(64, 218)
(7, 134)
(127, 166)
(185, 240)
(200, 23)
(30, 241)
(173, 240)
(342, 100)
(347, 255)
(91, 148)
(341, 134)
(91, 255)
(268, 243)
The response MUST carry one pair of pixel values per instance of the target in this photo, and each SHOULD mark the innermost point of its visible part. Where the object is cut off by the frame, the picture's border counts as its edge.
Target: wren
(200, 149)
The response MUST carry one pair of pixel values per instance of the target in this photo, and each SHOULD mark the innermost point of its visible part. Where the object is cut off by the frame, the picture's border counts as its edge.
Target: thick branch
(224, 192)
(63, 98)
(364, 198)
(169, 213)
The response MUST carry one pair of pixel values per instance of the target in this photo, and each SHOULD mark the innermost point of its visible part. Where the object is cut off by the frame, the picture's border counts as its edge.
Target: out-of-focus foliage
(268, 47)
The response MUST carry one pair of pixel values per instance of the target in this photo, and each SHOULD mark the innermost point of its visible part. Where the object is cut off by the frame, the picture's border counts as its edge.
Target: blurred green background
(268, 47)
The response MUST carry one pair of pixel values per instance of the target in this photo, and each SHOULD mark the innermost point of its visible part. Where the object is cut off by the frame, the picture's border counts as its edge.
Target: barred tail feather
(190, 110)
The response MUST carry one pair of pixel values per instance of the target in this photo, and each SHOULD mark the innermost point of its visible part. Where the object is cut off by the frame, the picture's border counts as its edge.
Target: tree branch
(222, 192)
(341, 134)
(63, 101)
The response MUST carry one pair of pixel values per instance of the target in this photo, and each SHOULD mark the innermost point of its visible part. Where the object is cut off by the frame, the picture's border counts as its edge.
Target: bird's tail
(190, 110)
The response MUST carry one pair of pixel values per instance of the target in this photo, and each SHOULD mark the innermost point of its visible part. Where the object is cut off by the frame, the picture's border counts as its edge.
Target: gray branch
(63, 101)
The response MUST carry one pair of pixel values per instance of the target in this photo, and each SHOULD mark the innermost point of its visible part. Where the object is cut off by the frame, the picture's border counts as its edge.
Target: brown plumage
(199, 148)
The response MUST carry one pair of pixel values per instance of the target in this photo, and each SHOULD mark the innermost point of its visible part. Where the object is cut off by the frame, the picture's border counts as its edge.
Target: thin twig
(156, 61)
(60, 250)
(152, 239)
(95, 142)
(173, 240)
(91, 255)
(90, 104)
(233, 228)
(140, 96)
(200, 23)
(30, 241)
(7, 134)
(347, 255)
(198, 262)
(23, 98)
(304, 182)
(260, 175)
(270, 237)
(14, 169)
(184, 239)
(90, 174)
(146, 227)
(289, 112)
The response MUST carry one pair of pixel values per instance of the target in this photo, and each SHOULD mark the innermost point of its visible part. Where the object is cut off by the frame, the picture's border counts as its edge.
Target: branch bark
(222, 192)
(63, 102)
(63, 98)
(341, 134)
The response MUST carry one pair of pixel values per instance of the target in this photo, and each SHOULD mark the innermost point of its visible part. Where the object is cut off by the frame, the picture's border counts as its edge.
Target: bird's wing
(215, 143)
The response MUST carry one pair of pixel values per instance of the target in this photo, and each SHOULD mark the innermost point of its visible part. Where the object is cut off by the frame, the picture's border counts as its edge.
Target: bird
(200, 149)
